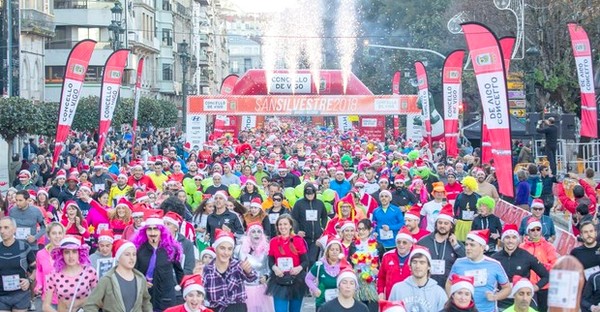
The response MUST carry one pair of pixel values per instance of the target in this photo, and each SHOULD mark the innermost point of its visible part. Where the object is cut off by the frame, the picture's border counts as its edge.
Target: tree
(87, 115)
(47, 119)
(170, 114)
(17, 118)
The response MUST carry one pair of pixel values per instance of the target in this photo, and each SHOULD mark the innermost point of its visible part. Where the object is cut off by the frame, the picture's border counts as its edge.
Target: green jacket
(512, 309)
(107, 295)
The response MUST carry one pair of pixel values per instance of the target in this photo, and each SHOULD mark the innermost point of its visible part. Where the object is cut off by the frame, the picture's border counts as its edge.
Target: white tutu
(257, 300)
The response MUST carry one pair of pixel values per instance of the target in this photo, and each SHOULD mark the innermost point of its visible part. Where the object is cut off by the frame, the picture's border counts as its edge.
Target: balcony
(203, 60)
(36, 22)
(204, 81)
(203, 38)
(69, 44)
(82, 4)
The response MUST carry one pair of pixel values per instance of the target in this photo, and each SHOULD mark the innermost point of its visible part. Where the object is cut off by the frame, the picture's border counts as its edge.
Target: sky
(261, 5)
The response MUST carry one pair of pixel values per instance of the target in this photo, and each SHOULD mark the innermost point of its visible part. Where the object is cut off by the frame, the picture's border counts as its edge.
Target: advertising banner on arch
(488, 66)
(138, 95)
(424, 98)
(111, 86)
(583, 60)
(75, 71)
(452, 80)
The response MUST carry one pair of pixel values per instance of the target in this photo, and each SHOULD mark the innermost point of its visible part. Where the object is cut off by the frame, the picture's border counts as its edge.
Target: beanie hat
(222, 237)
(462, 282)
(119, 247)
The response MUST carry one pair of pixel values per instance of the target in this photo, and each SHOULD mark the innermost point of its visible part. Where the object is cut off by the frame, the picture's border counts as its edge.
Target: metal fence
(572, 156)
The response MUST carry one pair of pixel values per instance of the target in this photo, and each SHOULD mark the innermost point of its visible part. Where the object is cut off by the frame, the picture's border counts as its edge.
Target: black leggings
(238, 307)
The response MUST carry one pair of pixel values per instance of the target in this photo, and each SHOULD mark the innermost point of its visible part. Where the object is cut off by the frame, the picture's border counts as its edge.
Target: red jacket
(391, 272)
(544, 252)
(453, 190)
(181, 308)
(571, 204)
(145, 183)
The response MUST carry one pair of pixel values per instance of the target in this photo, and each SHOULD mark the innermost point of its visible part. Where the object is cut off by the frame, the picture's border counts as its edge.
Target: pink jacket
(44, 266)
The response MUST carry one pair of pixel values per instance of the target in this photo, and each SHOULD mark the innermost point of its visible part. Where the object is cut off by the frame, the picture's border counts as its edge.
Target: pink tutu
(257, 300)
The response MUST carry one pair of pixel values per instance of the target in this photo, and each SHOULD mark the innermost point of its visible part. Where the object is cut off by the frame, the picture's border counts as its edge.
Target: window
(166, 5)
(88, 33)
(166, 37)
(167, 72)
(247, 64)
(55, 74)
(235, 67)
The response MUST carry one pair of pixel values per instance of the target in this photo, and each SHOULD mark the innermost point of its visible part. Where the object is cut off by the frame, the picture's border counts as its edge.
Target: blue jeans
(283, 305)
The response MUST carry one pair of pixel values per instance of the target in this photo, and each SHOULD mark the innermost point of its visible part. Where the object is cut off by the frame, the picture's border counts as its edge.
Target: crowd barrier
(509, 213)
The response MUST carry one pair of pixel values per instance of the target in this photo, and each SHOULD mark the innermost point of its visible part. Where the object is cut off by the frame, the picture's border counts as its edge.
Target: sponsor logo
(484, 59)
(215, 105)
(78, 69)
(580, 47)
(115, 74)
(453, 74)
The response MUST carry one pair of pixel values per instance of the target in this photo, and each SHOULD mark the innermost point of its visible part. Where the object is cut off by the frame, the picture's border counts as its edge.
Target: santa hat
(360, 181)
(42, 191)
(208, 251)
(119, 247)
(61, 174)
(222, 194)
(332, 239)
(384, 177)
(389, 306)
(155, 218)
(70, 203)
(137, 211)
(420, 164)
(251, 180)
(70, 242)
(339, 169)
(532, 223)
(518, 283)
(446, 213)
(141, 195)
(191, 283)
(253, 225)
(32, 194)
(85, 186)
(461, 282)
(420, 250)
(124, 202)
(480, 236)
(173, 218)
(405, 234)
(106, 235)
(256, 202)
(24, 174)
(123, 175)
(537, 203)
(73, 178)
(388, 193)
(346, 273)
(187, 146)
(222, 237)
(414, 213)
(347, 224)
(400, 177)
(509, 229)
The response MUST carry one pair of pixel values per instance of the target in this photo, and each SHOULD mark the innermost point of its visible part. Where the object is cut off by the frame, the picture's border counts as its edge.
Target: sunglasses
(360, 187)
(277, 199)
(383, 182)
(535, 230)
(197, 179)
(538, 208)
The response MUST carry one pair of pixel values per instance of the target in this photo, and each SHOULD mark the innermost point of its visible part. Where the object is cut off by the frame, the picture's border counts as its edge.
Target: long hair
(202, 207)
(59, 259)
(167, 242)
(112, 214)
(262, 248)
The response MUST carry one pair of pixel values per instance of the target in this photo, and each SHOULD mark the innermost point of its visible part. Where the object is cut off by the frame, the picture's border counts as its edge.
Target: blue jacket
(547, 226)
(392, 217)
(340, 188)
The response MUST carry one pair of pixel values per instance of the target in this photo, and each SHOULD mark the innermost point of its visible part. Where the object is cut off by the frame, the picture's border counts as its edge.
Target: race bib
(285, 263)
(438, 267)
(311, 215)
(383, 234)
(101, 227)
(479, 276)
(273, 217)
(331, 294)
(589, 271)
(22, 232)
(98, 188)
(11, 282)
(468, 215)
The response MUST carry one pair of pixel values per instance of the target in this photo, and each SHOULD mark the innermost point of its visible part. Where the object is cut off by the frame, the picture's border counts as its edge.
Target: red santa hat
(420, 164)
(420, 250)
(532, 223)
(24, 174)
(137, 211)
(123, 175)
(124, 202)
(537, 203)
(61, 174)
(32, 194)
(446, 213)
(155, 217)
(191, 283)
(106, 235)
(141, 195)
(509, 229)
(400, 177)
(360, 181)
(518, 283)
(251, 180)
(480, 236)
(339, 169)
(119, 247)
(85, 186)
(173, 218)
(405, 234)
(384, 177)
(42, 191)
(254, 225)
(256, 202)
(208, 251)
(346, 273)
(222, 237)
(388, 193)
(332, 239)
(222, 194)
(414, 213)
(187, 146)
(461, 282)
(347, 224)
(389, 306)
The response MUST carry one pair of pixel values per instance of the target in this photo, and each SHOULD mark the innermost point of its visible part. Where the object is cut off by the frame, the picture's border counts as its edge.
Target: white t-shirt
(430, 210)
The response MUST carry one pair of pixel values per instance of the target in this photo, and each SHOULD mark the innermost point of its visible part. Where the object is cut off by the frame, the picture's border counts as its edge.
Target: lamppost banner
(138, 94)
(583, 60)
(488, 65)
(75, 71)
(452, 93)
(424, 98)
(396, 91)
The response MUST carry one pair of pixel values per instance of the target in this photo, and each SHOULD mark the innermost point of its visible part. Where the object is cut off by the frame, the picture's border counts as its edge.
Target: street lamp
(517, 8)
(532, 54)
(185, 61)
(369, 45)
(116, 25)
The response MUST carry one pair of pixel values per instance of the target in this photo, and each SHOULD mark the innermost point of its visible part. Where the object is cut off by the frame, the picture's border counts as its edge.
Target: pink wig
(261, 249)
(59, 260)
(167, 242)
(423, 195)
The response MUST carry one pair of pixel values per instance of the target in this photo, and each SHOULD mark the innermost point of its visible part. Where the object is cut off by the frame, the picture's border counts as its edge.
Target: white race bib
(479, 276)
(331, 294)
(438, 267)
(22, 232)
(589, 271)
(562, 292)
(11, 282)
(468, 215)
(383, 234)
(273, 217)
(98, 188)
(311, 215)
(101, 227)
(286, 264)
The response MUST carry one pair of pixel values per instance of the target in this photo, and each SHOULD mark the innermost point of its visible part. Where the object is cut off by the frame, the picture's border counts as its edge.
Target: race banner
(488, 66)
(111, 85)
(396, 91)
(507, 44)
(451, 84)
(424, 98)
(311, 105)
(583, 60)
(248, 122)
(223, 123)
(138, 95)
(228, 84)
(75, 71)
(344, 123)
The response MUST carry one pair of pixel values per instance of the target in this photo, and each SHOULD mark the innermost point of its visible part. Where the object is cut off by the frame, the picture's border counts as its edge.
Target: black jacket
(166, 275)
(591, 293)
(313, 229)
(215, 221)
(402, 198)
(491, 222)
(551, 133)
(289, 180)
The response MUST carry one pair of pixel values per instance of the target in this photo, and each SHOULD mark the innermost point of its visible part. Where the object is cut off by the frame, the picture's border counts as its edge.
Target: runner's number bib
(285, 263)
(311, 215)
(479, 276)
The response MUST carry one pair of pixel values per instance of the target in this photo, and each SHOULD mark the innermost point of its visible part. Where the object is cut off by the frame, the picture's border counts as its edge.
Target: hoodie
(430, 297)
(310, 215)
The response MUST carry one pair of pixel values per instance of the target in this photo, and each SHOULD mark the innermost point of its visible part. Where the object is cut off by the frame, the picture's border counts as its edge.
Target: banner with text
(583, 60)
(373, 127)
(138, 95)
(488, 66)
(111, 85)
(299, 105)
(75, 70)
(423, 86)
(396, 91)
(452, 86)
(414, 127)
(344, 123)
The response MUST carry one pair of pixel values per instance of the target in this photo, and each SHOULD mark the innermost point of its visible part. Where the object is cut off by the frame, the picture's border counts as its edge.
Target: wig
(59, 260)
(167, 242)
(423, 195)
(471, 183)
(247, 246)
